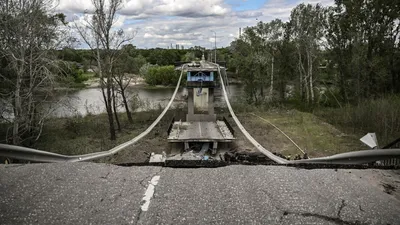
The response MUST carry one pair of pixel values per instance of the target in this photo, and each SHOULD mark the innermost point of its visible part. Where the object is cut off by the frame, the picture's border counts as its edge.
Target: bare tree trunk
(107, 98)
(17, 110)
(115, 108)
(120, 81)
(100, 26)
(128, 112)
(109, 110)
(300, 76)
(310, 74)
(271, 90)
(307, 89)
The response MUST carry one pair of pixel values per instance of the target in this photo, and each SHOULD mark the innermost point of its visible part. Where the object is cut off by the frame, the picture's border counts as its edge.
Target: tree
(98, 33)
(307, 23)
(123, 82)
(255, 55)
(271, 37)
(363, 44)
(28, 37)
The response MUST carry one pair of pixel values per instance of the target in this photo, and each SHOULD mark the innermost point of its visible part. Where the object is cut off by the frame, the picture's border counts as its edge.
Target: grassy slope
(314, 136)
(90, 134)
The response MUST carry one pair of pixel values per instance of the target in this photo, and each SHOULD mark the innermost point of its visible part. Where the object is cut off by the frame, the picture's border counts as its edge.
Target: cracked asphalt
(90, 193)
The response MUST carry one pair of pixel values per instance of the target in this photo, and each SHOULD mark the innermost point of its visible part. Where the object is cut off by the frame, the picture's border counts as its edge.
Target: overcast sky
(160, 23)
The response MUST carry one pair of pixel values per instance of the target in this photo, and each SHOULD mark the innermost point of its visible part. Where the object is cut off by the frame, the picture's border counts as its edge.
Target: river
(82, 102)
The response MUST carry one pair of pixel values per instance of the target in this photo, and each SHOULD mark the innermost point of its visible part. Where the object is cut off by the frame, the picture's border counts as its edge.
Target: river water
(82, 102)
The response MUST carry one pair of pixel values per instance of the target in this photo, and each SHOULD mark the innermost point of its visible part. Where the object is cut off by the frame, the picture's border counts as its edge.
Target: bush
(79, 76)
(145, 69)
(71, 70)
(378, 115)
(161, 75)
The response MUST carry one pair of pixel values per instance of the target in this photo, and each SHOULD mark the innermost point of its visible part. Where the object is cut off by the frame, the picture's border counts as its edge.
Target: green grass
(82, 135)
(381, 116)
(323, 132)
(89, 75)
(314, 136)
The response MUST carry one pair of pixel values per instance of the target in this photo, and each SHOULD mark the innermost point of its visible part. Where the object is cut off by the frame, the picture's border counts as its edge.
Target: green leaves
(161, 75)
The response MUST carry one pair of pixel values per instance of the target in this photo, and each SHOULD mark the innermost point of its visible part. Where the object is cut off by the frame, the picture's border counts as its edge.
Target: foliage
(161, 75)
(189, 57)
(377, 115)
(364, 47)
(72, 70)
(99, 33)
(144, 70)
(353, 46)
(27, 64)
(258, 59)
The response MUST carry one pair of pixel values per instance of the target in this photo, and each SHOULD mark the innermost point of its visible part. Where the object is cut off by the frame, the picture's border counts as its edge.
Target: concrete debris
(155, 158)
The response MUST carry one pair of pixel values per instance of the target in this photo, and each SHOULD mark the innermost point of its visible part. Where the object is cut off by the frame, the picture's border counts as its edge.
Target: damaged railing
(34, 155)
(357, 157)
(348, 158)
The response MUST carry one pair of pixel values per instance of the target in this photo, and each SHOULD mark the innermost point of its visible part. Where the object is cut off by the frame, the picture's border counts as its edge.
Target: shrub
(377, 115)
(71, 70)
(161, 75)
(145, 69)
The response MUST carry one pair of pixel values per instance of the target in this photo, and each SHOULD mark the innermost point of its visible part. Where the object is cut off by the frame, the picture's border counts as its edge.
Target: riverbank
(82, 135)
(136, 80)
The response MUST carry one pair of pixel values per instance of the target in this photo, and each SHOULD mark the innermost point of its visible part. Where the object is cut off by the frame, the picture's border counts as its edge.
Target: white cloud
(187, 8)
(160, 23)
(74, 6)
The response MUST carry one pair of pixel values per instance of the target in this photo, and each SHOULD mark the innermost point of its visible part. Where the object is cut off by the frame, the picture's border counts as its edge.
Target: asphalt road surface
(89, 193)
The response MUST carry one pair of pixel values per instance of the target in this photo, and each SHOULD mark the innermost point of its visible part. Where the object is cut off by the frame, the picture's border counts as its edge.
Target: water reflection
(86, 101)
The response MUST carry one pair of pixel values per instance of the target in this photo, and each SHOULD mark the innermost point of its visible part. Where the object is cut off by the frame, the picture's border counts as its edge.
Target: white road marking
(149, 193)
(201, 135)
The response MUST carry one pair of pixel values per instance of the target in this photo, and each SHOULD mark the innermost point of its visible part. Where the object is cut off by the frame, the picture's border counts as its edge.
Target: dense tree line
(350, 50)
(132, 58)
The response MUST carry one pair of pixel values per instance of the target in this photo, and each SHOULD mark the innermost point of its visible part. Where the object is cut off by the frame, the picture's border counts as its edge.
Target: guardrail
(392, 161)
(356, 157)
(35, 155)
(348, 158)
(260, 148)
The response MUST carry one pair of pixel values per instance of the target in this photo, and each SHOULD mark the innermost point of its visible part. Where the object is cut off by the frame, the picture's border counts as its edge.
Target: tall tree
(308, 27)
(105, 41)
(28, 36)
(363, 42)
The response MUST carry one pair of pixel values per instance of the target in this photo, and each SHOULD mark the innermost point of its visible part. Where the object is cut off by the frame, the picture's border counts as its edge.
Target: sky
(160, 23)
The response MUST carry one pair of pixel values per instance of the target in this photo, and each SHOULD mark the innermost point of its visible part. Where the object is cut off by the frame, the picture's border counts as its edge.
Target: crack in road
(110, 172)
(342, 205)
(330, 219)
(149, 177)
(336, 220)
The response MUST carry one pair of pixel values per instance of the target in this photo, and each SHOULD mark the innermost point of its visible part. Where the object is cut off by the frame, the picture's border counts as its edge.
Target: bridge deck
(200, 131)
